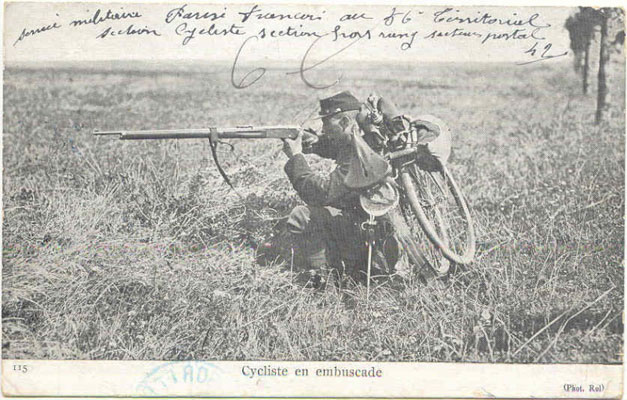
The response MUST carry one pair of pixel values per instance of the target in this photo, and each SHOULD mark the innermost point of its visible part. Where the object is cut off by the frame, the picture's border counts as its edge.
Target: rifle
(214, 134)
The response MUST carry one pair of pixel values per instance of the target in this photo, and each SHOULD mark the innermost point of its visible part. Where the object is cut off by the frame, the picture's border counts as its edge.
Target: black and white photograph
(319, 200)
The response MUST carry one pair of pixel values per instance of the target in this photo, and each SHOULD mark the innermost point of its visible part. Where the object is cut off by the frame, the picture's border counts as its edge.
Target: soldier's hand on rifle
(310, 138)
(291, 147)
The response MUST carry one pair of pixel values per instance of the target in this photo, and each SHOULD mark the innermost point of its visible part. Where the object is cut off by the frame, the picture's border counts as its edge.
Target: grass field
(136, 250)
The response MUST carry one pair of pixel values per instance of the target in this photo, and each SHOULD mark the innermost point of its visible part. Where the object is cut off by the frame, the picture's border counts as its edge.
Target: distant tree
(604, 58)
(580, 28)
(607, 16)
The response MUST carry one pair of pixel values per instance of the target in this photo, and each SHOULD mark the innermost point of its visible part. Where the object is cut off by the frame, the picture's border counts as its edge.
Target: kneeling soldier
(327, 230)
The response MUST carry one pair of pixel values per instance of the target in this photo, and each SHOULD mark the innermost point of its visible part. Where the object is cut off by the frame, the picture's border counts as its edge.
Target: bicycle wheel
(442, 212)
(427, 259)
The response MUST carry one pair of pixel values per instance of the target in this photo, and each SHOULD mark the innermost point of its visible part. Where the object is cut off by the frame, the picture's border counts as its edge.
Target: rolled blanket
(433, 132)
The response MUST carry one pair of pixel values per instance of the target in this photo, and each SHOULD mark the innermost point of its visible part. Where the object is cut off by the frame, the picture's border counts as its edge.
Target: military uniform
(327, 230)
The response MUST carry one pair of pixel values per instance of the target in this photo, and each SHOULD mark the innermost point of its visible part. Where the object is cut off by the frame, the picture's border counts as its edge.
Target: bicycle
(431, 201)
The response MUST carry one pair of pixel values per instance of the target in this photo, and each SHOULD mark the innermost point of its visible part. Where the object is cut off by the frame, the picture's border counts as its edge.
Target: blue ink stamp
(173, 375)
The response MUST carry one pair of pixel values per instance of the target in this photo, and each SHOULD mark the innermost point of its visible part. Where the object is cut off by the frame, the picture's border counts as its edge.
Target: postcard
(312, 200)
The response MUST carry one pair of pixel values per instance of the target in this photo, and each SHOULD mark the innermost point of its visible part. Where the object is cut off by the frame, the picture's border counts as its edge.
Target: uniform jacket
(319, 190)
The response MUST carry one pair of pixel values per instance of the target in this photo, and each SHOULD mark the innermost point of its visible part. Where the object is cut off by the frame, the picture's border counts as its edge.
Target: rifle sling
(213, 143)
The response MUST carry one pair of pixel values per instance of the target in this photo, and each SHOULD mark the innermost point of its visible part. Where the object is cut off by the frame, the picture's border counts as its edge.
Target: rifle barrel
(107, 133)
(240, 132)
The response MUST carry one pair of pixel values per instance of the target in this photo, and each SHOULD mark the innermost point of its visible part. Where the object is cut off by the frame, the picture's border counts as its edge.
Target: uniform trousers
(329, 237)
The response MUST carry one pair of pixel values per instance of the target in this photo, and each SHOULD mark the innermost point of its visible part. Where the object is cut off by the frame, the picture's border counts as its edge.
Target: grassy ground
(116, 250)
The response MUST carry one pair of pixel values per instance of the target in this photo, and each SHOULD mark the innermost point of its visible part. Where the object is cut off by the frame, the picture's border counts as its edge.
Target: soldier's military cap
(341, 102)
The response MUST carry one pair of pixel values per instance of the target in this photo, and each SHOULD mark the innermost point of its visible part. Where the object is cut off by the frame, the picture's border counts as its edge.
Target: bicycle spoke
(436, 211)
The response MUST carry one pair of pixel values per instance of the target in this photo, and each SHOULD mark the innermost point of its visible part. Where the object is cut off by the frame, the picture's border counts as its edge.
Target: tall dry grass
(116, 250)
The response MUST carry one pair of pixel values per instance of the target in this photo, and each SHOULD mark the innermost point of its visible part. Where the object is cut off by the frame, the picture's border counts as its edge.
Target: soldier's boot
(323, 277)
(307, 224)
